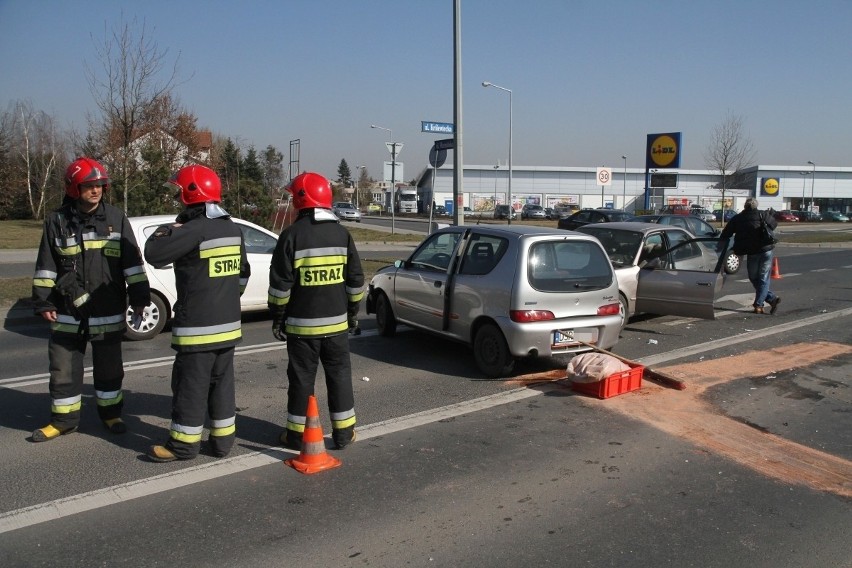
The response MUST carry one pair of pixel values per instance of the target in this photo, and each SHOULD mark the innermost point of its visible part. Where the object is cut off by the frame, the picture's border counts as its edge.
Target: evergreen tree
(251, 169)
(272, 164)
(344, 176)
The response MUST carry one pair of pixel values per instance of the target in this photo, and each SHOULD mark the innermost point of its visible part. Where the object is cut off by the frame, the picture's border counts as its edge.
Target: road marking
(72, 505)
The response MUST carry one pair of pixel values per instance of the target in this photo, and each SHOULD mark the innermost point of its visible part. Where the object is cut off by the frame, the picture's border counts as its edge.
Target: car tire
(491, 352)
(385, 320)
(624, 309)
(156, 316)
(732, 263)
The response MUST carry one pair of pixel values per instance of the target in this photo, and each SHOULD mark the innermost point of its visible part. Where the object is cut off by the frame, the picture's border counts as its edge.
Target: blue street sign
(440, 127)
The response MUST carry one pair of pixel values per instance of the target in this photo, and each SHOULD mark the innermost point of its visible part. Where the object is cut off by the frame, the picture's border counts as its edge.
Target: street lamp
(357, 201)
(813, 179)
(393, 174)
(803, 174)
(624, 191)
(489, 84)
(495, 185)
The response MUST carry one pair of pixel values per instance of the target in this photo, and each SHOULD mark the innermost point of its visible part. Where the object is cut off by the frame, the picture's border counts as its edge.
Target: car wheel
(491, 352)
(732, 263)
(623, 309)
(154, 320)
(385, 320)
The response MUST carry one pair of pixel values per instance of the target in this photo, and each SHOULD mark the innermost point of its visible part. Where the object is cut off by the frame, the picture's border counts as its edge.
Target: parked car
(835, 216)
(786, 216)
(468, 212)
(260, 243)
(807, 216)
(550, 213)
(375, 208)
(505, 212)
(587, 216)
(520, 291)
(702, 213)
(345, 211)
(635, 247)
(729, 214)
(698, 228)
(531, 211)
(440, 211)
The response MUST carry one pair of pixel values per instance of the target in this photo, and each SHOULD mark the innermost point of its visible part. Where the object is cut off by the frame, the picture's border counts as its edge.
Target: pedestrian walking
(746, 228)
(315, 289)
(88, 265)
(211, 273)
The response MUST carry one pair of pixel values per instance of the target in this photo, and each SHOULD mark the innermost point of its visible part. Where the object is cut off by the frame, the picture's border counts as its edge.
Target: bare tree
(730, 150)
(131, 81)
(34, 142)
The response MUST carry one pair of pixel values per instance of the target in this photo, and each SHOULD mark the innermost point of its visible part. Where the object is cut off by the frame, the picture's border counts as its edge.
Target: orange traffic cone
(776, 274)
(313, 458)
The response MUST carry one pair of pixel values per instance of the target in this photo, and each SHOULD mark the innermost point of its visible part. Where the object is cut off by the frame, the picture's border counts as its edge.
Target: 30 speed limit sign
(604, 176)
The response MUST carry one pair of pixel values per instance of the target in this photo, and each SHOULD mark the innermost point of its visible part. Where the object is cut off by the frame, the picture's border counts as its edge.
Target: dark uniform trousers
(304, 357)
(66, 354)
(194, 376)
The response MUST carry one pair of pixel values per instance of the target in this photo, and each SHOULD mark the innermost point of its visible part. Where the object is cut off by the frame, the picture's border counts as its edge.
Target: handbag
(767, 235)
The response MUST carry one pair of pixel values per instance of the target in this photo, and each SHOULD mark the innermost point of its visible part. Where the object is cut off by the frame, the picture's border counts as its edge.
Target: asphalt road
(749, 466)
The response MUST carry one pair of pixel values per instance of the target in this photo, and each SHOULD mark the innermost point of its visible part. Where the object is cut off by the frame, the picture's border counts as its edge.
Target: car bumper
(536, 338)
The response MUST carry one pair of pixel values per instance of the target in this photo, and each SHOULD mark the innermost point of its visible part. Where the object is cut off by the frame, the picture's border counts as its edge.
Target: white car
(260, 243)
(345, 211)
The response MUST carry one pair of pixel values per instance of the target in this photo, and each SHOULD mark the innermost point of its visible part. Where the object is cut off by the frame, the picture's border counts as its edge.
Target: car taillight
(609, 310)
(524, 316)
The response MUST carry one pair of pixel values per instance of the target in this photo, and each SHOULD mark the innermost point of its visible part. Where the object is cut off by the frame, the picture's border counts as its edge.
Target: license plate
(568, 337)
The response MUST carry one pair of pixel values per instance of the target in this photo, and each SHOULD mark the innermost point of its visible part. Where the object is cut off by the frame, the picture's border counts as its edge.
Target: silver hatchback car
(507, 291)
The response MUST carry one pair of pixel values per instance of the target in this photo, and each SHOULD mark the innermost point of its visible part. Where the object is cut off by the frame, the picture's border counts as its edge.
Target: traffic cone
(313, 457)
(776, 274)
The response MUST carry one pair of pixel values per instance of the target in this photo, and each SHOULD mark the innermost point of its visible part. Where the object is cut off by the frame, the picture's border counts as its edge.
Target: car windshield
(568, 266)
(345, 206)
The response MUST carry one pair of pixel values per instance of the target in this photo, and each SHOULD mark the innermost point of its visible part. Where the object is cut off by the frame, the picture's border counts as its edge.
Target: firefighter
(211, 273)
(88, 264)
(315, 287)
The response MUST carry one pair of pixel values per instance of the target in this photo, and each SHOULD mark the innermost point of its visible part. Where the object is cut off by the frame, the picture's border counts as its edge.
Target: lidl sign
(663, 150)
(769, 186)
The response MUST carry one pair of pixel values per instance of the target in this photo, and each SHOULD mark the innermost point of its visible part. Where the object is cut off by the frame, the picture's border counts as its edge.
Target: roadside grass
(23, 234)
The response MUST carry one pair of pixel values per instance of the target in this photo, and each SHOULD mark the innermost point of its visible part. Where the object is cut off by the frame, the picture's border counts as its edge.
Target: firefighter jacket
(211, 273)
(88, 265)
(315, 279)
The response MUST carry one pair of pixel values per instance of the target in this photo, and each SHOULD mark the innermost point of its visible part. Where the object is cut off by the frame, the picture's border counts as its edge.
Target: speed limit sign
(604, 176)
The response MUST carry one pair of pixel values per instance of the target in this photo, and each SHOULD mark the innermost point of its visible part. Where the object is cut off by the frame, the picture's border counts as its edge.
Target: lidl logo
(664, 150)
(770, 186)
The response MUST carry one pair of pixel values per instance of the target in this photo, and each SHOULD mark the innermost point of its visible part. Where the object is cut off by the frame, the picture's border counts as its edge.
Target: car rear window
(568, 266)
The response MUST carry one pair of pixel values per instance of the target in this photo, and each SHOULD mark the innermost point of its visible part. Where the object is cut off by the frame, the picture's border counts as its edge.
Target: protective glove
(278, 326)
(354, 328)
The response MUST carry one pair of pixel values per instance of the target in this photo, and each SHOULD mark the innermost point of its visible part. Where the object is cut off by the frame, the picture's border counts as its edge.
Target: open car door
(684, 280)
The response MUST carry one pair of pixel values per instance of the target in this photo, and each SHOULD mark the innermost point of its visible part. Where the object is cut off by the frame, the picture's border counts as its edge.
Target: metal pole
(393, 173)
(803, 174)
(813, 180)
(624, 191)
(489, 84)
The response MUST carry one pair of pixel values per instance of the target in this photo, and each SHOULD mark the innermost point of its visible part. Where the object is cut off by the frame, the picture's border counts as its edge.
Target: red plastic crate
(613, 385)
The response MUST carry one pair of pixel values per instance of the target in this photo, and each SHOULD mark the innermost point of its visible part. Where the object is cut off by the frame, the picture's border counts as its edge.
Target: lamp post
(393, 174)
(495, 186)
(803, 174)
(489, 84)
(357, 188)
(813, 179)
(624, 191)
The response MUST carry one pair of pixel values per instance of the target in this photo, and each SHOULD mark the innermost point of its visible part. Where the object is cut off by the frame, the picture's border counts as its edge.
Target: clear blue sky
(590, 79)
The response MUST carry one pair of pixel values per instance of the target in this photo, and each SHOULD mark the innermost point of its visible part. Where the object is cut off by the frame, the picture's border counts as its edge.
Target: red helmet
(84, 170)
(310, 190)
(197, 184)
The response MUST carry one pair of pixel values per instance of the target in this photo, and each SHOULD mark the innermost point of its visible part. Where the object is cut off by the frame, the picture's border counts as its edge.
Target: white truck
(405, 199)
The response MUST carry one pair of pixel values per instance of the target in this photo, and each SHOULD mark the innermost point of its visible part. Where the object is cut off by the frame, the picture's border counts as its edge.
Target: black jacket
(315, 277)
(745, 227)
(87, 266)
(211, 273)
